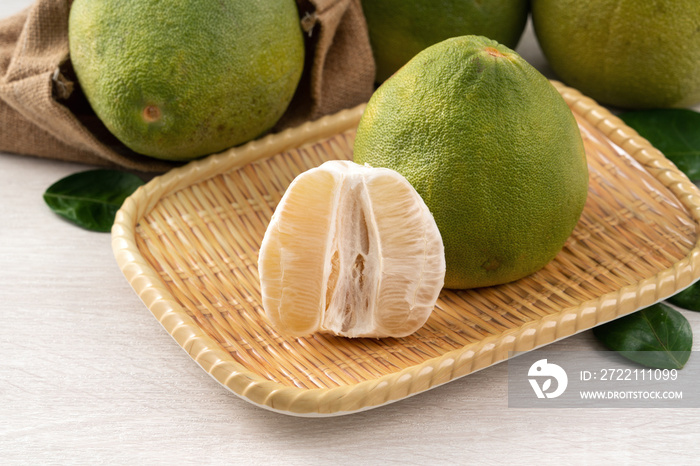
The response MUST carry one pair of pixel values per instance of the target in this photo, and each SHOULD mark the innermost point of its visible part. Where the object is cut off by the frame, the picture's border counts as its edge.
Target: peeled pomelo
(352, 251)
(492, 149)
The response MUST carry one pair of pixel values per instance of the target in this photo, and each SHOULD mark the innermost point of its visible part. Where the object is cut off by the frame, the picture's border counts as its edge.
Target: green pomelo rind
(219, 72)
(493, 150)
(624, 53)
(399, 29)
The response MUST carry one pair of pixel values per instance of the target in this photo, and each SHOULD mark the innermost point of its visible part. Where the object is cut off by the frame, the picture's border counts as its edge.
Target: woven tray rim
(428, 374)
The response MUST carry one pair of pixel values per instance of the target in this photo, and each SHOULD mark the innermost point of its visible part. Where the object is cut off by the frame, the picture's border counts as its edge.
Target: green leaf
(92, 198)
(688, 298)
(674, 131)
(657, 336)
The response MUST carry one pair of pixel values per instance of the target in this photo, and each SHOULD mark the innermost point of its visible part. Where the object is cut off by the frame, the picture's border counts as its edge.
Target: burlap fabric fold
(44, 113)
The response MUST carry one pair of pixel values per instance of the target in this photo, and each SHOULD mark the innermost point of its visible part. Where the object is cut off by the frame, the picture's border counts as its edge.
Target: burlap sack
(44, 113)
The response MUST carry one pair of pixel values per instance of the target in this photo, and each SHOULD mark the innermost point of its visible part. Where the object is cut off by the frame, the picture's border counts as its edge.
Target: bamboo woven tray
(188, 241)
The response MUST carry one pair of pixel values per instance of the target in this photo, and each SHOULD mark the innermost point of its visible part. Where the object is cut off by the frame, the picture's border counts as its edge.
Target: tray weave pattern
(188, 244)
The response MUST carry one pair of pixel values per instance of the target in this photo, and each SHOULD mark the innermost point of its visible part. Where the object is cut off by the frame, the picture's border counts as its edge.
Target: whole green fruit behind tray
(625, 53)
(177, 80)
(399, 29)
(493, 150)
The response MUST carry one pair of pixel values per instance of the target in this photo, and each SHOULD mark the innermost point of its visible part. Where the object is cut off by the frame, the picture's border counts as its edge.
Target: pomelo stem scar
(493, 51)
(151, 113)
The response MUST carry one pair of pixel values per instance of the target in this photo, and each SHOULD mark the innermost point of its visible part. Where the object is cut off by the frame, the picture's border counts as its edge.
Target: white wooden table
(88, 376)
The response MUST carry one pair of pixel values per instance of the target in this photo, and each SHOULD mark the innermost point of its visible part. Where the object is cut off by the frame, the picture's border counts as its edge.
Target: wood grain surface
(88, 376)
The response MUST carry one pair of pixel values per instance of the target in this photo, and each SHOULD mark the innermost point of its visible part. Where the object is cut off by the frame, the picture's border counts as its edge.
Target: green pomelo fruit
(493, 150)
(399, 29)
(625, 53)
(177, 80)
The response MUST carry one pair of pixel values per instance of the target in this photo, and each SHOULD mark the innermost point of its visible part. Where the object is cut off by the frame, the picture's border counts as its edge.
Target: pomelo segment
(353, 251)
